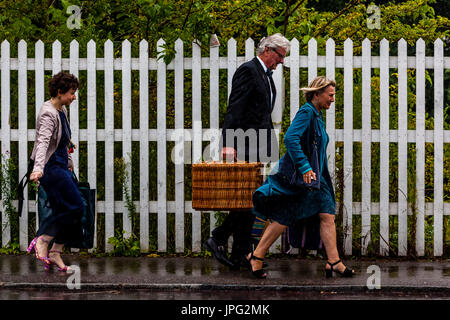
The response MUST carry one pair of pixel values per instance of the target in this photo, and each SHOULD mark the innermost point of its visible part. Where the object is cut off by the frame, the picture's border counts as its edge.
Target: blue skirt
(276, 201)
(66, 203)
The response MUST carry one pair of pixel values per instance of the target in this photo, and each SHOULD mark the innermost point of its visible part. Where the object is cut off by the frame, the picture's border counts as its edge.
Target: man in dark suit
(250, 106)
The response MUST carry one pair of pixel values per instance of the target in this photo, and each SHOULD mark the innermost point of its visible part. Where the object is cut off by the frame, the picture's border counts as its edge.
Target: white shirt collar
(262, 63)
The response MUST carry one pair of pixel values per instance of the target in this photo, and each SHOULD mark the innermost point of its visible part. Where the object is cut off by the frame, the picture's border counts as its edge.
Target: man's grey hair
(274, 41)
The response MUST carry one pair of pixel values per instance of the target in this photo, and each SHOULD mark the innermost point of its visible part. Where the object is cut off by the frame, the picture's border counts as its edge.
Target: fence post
(179, 147)
(143, 147)
(23, 143)
(348, 146)
(213, 112)
(384, 147)
(6, 129)
(73, 110)
(126, 133)
(109, 143)
(56, 57)
(39, 92)
(197, 136)
(366, 138)
(402, 148)
(294, 74)
(312, 60)
(438, 146)
(420, 147)
(162, 149)
(331, 113)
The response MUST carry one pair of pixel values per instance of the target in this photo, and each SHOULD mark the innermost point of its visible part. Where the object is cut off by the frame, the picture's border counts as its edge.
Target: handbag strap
(22, 185)
(314, 120)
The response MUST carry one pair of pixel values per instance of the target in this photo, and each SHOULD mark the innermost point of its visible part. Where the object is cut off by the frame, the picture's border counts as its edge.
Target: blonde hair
(317, 86)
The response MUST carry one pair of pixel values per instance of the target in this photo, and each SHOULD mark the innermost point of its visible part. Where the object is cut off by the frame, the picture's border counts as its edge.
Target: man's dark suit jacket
(249, 107)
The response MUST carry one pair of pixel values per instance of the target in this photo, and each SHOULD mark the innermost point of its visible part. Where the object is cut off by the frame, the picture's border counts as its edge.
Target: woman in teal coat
(285, 204)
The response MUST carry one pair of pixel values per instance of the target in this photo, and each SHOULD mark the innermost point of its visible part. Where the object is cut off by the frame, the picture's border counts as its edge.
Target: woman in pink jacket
(52, 170)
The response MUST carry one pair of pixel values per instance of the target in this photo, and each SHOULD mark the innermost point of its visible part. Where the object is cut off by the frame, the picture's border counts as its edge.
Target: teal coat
(276, 199)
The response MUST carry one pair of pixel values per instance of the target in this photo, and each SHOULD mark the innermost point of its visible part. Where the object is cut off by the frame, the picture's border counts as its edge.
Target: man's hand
(229, 154)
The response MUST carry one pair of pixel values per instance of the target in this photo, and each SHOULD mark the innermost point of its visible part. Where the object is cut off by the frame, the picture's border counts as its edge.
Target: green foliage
(128, 247)
(11, 248)
(125, 246)
(410, 20)
(8, 191)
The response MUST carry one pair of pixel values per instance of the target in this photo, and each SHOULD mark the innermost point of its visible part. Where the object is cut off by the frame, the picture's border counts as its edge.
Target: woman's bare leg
(328, 236)
(272, 232)
(42, 245)
(55, 254)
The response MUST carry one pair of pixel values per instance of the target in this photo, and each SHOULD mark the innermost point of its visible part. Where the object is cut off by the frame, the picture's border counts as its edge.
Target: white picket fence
(161, 134)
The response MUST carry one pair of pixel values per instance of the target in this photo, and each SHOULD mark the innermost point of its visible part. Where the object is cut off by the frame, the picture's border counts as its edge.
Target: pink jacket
(48, 135)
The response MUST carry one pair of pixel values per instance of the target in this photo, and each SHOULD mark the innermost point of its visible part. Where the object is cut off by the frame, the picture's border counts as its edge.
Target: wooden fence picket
(294, 75)
(5, 130)
(384, 148)
(348, 146)
(366, 137)
(73, 109)
(420, 148)
(109, 142)
(143, 147)
(39, 70)
(162, 149)
(438, 207)
(23, 143)
(178, 156)
(402, 148)
(92, 116)
(331, 113)
(197, 136)
(126, 131)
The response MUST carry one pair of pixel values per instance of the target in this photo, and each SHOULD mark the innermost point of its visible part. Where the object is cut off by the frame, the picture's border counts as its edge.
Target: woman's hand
(308, 176)
(35, 176)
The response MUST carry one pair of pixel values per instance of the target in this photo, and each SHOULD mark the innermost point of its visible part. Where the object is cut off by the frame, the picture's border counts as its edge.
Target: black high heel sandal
(347, 273)
(260, 273)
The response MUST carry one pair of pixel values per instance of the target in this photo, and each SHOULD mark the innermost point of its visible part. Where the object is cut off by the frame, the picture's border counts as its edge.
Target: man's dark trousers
(238, 224)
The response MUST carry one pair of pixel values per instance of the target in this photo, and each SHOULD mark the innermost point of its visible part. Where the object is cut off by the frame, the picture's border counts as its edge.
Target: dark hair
(62, 82)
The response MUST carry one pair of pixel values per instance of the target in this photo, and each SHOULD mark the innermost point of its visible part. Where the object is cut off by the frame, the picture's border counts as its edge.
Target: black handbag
(88, 217)
(294, 178)
(87, 223)
(305, 233)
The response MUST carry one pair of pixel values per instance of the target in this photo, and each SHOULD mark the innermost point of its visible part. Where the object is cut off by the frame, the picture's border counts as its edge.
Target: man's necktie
(269, 77)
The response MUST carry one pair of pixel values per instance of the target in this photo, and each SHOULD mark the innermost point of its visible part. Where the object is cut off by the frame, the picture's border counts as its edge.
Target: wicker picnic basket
(225, 186)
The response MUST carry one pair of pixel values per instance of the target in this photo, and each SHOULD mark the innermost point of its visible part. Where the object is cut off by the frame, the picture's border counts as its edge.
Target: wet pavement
(164, 278)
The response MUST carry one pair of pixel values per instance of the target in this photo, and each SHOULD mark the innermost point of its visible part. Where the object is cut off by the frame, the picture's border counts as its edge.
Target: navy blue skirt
(66, 203)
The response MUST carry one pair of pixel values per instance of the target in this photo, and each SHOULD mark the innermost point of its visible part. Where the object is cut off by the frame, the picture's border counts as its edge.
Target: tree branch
(349, 5)
(187, 16)
(288, 14)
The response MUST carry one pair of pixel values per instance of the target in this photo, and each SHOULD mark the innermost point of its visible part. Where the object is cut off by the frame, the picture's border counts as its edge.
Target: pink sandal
(32, 246)
(63, 269)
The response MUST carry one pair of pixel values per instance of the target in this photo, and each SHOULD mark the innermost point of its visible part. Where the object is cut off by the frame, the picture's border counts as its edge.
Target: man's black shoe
(218, 252)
